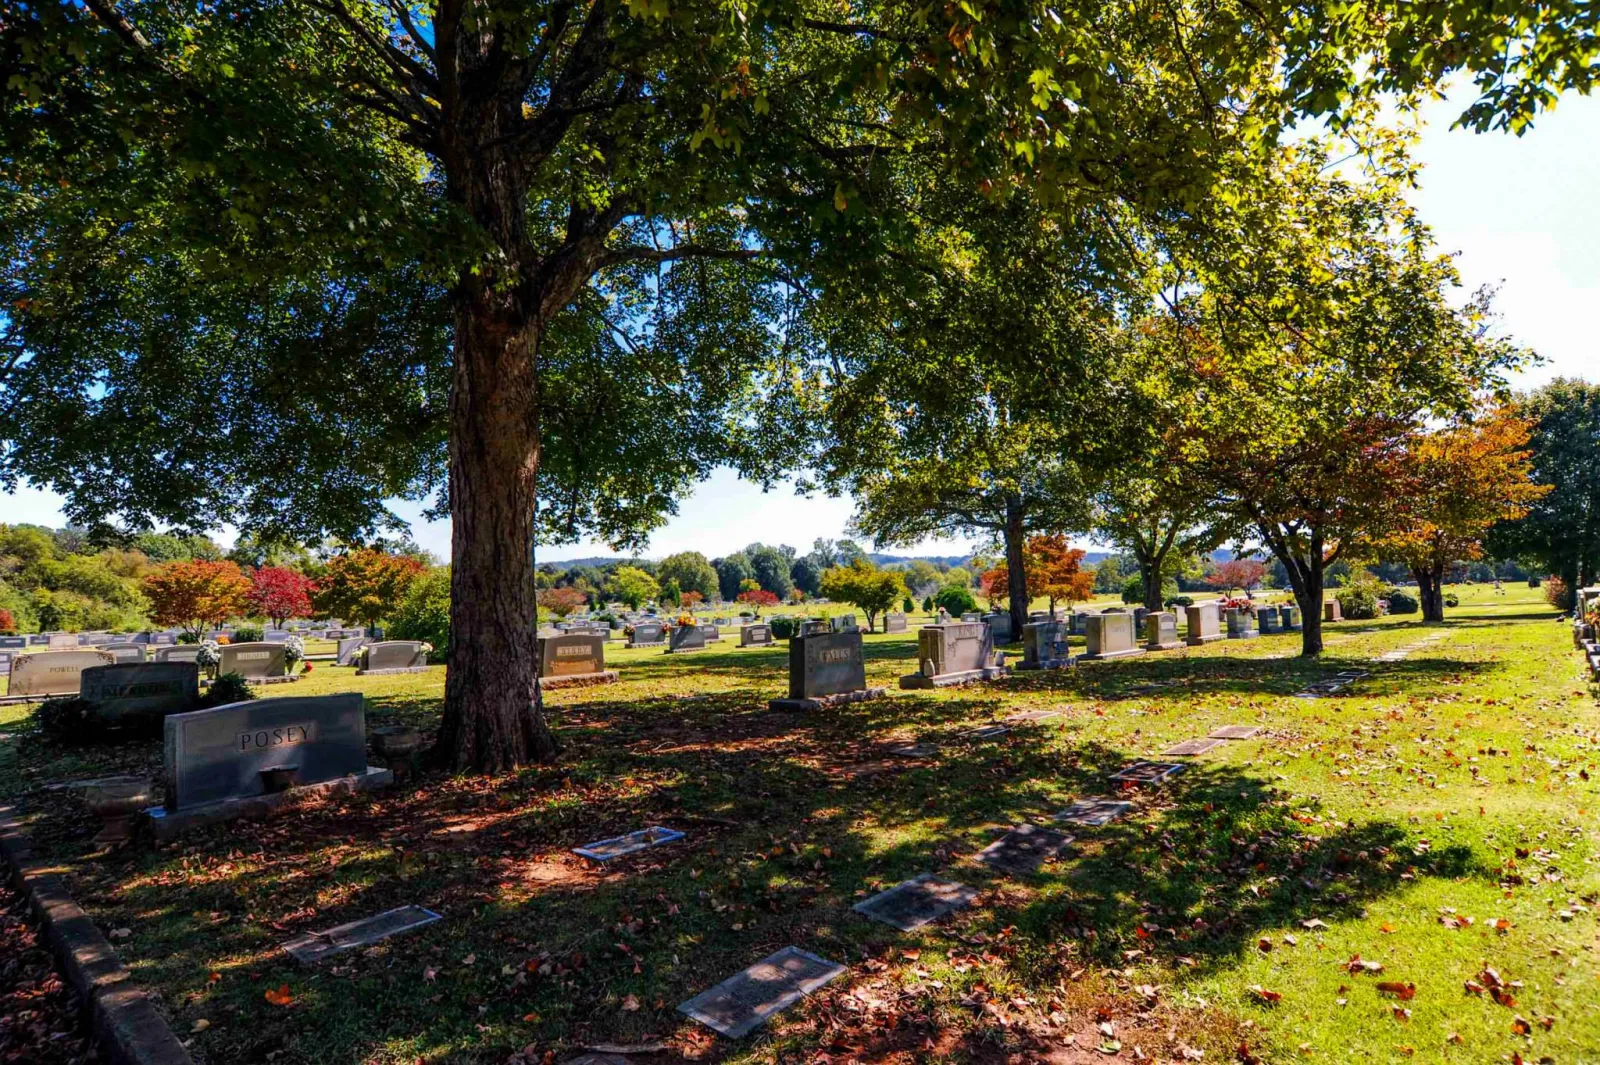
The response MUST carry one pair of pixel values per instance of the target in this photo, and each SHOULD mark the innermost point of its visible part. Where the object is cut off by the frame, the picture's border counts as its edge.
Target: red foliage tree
(278, 594)
(561, 601)
(8, 621)
(690, 599)
(1054, 572)
(1243, 573)
(758, 598)
(196, 594)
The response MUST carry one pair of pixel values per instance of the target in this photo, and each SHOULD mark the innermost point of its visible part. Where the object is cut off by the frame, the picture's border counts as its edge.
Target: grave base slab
(952, 680)
(579, 680)
(165, 824)
(648, 643)
(390, 672)
(1172, 646)
(1106, 656)
(1243, 635)
(1048, 663)
(1196, 641)
(822, 702)
(273, 680)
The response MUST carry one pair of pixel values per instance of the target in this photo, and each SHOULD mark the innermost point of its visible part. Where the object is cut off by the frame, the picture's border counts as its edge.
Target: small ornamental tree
(690, 599)
(196, 596)
(365, 585)
(279, 594)
(1458, 482)
(561, 601)
(758, 599)
(1054, 572)
(8, 621)
(1241, 573)
(872, 589)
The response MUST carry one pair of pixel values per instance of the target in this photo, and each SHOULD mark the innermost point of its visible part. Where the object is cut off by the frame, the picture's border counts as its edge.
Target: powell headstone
(53, 672)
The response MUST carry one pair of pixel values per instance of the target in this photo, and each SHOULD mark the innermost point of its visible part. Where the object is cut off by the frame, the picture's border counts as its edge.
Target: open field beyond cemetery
(1438, 821)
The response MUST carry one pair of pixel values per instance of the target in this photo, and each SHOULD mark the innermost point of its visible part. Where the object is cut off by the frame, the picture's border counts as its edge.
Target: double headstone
(231, 754)
(62, 641)
(258, 663)
(825, 668)
(53, 672)
(814, 626)
(1044, 645)
(953, 653)
(1161, 631)
(572, 655)
(755, 634)
(135, 694)
(1111, 636)
(1203, 623)
(647, 633)
(392, 656)
(686, 638)
(894, 623)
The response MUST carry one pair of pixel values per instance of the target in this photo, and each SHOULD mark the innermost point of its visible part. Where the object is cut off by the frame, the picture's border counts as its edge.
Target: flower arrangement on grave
(294, 650)
(685, 618)
(209, 657)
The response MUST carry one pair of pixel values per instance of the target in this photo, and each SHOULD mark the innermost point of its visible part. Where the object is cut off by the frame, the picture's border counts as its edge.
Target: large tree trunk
(1150, 578)
(1430, 589)
(1016, 566)
(1305, 577)
(492, 720)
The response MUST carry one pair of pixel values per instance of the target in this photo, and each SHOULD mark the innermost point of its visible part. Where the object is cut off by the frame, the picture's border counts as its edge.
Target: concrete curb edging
(126, 1023)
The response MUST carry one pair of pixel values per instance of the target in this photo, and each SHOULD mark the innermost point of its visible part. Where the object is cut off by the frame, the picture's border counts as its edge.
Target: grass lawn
(1437, 821)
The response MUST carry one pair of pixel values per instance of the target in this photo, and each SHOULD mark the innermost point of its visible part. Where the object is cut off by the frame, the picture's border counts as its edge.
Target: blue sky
(1521, 213)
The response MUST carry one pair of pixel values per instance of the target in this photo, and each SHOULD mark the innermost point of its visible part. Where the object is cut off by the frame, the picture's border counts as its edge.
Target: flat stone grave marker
(1148, 772)
(53, 672)
(256, 662)
(744, 1001)
(913, 903)
(1189, 747)
(312, 947)
(1234, 732)
(1094, 812)
(1026, 717)
(986, 732)
(606, 849)
(1024, 849)
(916, 750)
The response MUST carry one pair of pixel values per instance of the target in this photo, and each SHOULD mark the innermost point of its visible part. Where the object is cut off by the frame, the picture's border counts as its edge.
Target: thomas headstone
(1161, 632)
(126, 693)
(1111, 636)
(1204, 623)
(228, 752)
(258, 663)
(756, 634)
(53, 672)
(953, 653)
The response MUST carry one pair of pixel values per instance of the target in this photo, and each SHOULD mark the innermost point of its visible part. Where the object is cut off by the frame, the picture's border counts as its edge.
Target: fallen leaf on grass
(279, 996)
(630, 1004)
(200, 1025)
(1263, 994)
(1520, 1026)
(1404, 992)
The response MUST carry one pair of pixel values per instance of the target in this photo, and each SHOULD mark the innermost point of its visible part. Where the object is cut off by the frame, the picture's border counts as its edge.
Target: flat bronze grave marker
(1029, 716)
(1094, 812)
(1234, 732)
(606, 849)
(745, 1000)
(312, 947)
(1190, 747)
(1148, 772)
(986, 732)
(916, 750)
(1023, 850)
(912, 904)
